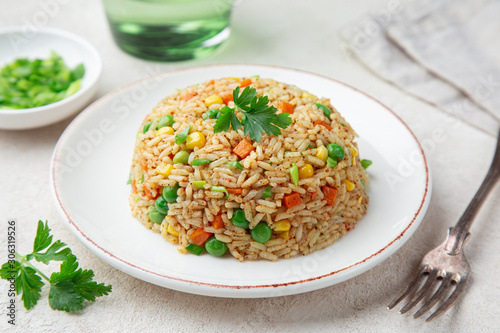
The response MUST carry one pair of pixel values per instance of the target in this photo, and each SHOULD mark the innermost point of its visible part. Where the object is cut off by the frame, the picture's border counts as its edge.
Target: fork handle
(459, 234)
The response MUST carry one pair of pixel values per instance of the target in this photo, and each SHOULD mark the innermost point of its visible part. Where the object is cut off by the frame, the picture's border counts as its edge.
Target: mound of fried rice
(314, 224)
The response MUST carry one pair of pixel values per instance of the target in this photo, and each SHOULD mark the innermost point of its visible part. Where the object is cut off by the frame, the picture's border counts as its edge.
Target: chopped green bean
(294, 174)
(195, 249)
(199, 184)
(200, 162)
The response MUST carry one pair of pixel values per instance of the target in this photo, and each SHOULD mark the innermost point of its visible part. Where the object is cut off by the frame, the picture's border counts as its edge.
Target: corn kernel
(214, 99)
(165, 130)
(283, 225)
(360, 200)
(285, 235)
(322, 153)
(172, 231)
(306, 171)
(348, 185)
(195, 139)
(235, 78)
(164, 169)
(354, 153)
(305, 94)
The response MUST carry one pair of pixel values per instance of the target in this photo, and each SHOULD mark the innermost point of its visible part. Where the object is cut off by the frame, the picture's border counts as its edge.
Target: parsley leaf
(68, 288)
(258, 115)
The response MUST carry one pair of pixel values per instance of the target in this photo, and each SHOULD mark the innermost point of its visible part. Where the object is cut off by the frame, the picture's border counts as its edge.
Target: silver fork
(445, 269)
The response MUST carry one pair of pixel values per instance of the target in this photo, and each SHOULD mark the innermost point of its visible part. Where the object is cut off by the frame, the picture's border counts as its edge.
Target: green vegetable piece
(220, 189)
(294, 174)
(335, 151)
(326, 111)
(331, 162)
(234, 165)
(195, 249)
(155, 216)
(170, 193)
(181, 157)
(146, 127)
(341, 124)
(363, 183)
(238, 219)
(261, 233)
(78, 72)
(199, 184)
(73, 88)
(366, 163)
(212, 114)
(161, 205)
(165, 121)
(129, 181)
(215, 247)
(200, 162)
(182, 136)
(268, 193)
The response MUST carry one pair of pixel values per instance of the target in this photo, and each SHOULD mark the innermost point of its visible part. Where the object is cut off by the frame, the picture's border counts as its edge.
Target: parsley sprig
(68, 288)
(258, 116)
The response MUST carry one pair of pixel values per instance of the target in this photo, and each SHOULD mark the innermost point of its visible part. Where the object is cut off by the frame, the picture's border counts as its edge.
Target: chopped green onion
(326, 111)
(267, 192)
(200, 162)
(331, 162)
(129, 178)
(294, 174)
(195, 249)
(254, 76)
(341, 124)
(366, 163)
(235, 165)
(363, 183)
(182, 136)
(199, 184)
(220, 189)
(142, 179)
(146, 127)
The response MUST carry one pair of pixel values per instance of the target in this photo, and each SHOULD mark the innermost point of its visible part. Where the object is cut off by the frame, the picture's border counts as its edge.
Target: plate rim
(117, 262)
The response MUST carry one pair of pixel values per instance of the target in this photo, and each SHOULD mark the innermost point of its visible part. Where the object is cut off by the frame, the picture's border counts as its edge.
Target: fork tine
(431, 279)
(449, 302)
(409, 288)
(435, 298)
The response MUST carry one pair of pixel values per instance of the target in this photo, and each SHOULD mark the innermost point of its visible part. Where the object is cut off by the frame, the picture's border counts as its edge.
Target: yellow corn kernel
(213, 99)
(172, 231)
(354, 153)
(235, 78)
(195, 139)
(283, 225)
(305, 94)
(360, 199)
(322, 153)
(285, 235)
(306, 171)
(348, 185)
(164, 169)
(165, 130)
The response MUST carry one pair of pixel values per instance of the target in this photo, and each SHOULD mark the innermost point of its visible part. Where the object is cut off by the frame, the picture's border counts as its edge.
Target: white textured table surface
(299, 34)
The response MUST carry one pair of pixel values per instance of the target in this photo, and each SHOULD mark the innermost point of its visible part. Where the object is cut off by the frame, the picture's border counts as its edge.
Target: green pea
(261, 233)
(146, 127)
(294, 174)
(161, 205)
(181, 157)
(331, 162)
(238, 219)
(165, 121)
(215, 247)
(366, 163)
(195, 249)
(335, 151)
(326, 111)
(155, 216)
(267, 192)
(170, 193)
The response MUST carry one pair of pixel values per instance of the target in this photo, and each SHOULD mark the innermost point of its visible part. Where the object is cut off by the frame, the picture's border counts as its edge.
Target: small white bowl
(24, 42)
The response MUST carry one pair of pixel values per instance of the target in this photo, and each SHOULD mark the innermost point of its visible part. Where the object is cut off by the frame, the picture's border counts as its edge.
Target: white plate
(90, 167)
(23, 42)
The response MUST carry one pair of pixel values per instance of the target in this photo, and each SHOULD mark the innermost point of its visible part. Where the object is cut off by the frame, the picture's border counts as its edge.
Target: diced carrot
(330, 193)
(143, 163)
(200, 236)
(210, 82)
(245, 83)
(134, 188)
(314, 195)
(286, 107)
(150, 194)
(291, 200)
(227, 98)
(322, 124)
(234, 190)
(243, 148)
(188, 96)
(218, 223)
